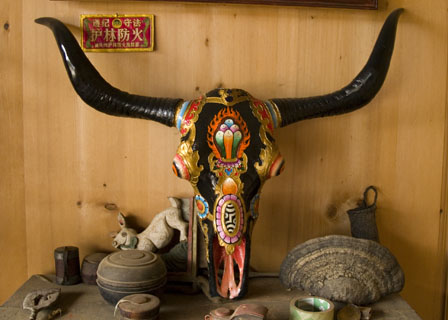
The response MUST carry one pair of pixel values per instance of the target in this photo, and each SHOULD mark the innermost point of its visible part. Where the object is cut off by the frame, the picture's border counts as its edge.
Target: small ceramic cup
(311, 308)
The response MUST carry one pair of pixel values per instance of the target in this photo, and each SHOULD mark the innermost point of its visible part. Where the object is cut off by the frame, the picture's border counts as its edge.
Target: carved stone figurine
(227, 149)
(157, 235)
(40, 299)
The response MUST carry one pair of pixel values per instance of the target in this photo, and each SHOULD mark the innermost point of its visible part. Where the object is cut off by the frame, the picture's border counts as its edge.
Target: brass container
(130, 272)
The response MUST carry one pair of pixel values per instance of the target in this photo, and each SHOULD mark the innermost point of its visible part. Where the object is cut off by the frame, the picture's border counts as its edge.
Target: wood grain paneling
(443, 226)
(13, 262)
(76, 160)
(352, 4)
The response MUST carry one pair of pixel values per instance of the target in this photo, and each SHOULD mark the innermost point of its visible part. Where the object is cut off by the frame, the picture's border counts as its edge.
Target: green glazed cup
(311, 308)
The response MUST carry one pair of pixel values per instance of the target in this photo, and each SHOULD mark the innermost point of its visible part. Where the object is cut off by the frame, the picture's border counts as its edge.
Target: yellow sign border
(150, 48)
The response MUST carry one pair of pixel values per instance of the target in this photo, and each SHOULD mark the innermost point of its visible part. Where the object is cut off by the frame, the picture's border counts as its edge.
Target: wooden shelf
(83, 302)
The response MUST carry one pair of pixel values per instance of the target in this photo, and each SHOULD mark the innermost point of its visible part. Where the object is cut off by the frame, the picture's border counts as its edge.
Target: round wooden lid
(132, 268)
(139, 306)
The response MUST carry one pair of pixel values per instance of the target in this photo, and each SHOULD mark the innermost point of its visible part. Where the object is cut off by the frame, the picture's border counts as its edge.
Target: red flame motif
(218, 120)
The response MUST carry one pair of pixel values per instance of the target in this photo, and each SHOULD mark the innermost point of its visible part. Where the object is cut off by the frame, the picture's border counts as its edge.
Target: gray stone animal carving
(40, 299)
(157, 235)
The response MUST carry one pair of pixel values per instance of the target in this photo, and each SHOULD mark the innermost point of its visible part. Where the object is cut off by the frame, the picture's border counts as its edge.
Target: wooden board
(352, 4)
(83, 302)
(443, 227)
(77, 160)
(13, 263)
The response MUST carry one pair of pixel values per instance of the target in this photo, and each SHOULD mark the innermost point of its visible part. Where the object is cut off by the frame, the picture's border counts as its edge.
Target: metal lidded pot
(130, 272)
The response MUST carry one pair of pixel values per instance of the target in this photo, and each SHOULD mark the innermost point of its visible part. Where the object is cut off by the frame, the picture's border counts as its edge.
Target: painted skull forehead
(220, 144)
(223, 119)
(227, 151)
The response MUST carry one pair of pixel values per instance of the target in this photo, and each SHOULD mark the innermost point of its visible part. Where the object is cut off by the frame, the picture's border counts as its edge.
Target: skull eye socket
(179, 167)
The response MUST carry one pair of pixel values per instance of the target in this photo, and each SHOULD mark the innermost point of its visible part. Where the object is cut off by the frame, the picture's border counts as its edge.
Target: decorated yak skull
(227, 150)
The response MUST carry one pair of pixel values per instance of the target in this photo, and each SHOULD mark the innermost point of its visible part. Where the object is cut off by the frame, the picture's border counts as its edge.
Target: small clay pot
(139, 306)
(130, 272)
(90, 266)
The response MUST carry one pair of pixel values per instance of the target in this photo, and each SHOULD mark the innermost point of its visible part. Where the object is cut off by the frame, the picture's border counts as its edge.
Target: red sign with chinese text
(116, 33)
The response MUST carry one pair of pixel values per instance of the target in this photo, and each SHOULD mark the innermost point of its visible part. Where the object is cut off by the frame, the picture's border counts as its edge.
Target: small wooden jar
(67, 265)
(139, 306)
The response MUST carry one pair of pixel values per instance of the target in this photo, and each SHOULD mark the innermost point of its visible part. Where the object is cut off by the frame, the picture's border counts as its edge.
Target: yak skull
(227, 150)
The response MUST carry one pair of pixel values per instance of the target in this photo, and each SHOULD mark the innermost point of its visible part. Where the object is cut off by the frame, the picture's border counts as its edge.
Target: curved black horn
(99, 94)
(355, 95)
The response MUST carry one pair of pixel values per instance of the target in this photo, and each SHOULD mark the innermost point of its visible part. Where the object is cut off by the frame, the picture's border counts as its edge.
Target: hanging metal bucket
(362, 218)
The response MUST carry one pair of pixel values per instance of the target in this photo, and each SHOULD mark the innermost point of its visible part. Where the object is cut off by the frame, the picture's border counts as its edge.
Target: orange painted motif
(233, 144)
(229, 186)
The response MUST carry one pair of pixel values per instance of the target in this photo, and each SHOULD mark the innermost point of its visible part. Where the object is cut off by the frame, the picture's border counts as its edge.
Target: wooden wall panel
(13, 263)
(77, 160)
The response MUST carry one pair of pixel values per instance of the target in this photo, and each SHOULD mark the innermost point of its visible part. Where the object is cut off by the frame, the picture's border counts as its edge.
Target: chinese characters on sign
(117, 32)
